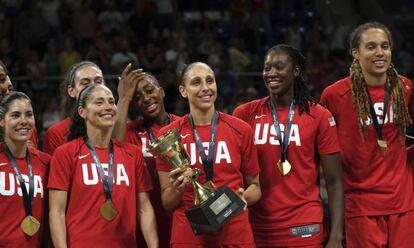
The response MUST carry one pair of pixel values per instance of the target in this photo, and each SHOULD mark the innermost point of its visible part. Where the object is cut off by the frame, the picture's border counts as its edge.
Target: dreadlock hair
(78, 126)
(301, 92)
(360, 94)
(67, 102)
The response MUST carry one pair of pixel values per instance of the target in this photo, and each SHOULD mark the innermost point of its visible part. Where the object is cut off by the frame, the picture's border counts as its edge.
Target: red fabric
(281, 238)
(235, 156)
(293, 199)
(56, 135)
(73, 170)
(137, 135)
(11, 199)
(374, 184)
(394, 230)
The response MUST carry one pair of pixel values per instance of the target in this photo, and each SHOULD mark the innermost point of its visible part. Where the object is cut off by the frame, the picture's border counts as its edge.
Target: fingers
(125, 72)
(178, 179)
(240, 193)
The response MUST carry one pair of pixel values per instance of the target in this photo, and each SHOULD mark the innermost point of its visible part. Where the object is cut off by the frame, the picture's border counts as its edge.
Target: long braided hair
(301, 92)
(360, 95)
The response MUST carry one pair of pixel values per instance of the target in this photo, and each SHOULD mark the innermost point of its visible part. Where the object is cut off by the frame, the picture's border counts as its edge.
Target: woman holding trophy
(219, 147)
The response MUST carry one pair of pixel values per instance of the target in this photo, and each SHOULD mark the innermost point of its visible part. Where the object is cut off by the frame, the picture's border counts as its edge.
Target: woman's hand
(240, 193)
(179, 177)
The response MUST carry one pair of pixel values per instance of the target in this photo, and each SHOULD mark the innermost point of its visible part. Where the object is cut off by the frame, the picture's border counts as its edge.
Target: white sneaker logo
(259, 116)
(184, 135)
(1, 164)
(82, 156)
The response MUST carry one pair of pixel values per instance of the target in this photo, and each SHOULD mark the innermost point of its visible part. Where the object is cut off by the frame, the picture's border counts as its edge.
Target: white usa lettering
(9, 184)
(379, 108)
(145, 152)
(222, 152)
(266, 132)
(90, 174)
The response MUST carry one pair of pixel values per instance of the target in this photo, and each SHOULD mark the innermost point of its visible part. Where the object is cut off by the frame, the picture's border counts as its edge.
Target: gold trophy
(213, 206)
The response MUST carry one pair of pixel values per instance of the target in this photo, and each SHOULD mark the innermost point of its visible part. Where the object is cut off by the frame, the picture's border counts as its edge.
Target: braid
(360, 97)
(399, 106)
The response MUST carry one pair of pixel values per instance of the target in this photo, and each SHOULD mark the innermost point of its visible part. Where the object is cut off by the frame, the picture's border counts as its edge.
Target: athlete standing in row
(97, 185)
(370, 109)
(144, 93)
(293, 134)
(23, 176)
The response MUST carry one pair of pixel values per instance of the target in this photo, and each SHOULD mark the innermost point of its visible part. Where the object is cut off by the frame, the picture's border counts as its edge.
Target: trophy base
(212, 214)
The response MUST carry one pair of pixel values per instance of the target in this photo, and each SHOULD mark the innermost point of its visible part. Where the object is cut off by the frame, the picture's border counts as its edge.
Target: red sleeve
(34, 138)
(60, 172)
(241, 112)
(143, 179)
(50, 142)
(327, 134)
(249, 160)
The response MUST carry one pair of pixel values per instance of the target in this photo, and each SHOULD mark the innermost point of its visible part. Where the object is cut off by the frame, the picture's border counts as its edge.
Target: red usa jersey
(293, 199)
(56, 135)
(374, 184)
(73, 169)
(137, 135)
(235, 156)
(11, 199)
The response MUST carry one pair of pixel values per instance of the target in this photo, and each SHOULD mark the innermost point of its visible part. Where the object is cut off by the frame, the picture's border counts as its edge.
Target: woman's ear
(182, 90)
(355, 53)
(2, 122)
(297, 71)
(82, 112)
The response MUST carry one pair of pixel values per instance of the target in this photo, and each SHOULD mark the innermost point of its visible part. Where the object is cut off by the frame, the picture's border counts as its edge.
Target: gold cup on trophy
(213, 206)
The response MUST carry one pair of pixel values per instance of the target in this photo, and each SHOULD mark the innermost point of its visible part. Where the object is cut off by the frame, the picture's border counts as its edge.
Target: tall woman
(293, 134)
(144, 93)
(97, 185)
(23, 176)
(232, 159)
(370, 108)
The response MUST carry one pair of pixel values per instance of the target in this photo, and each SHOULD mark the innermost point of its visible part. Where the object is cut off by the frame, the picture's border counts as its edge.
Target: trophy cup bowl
(213, 206)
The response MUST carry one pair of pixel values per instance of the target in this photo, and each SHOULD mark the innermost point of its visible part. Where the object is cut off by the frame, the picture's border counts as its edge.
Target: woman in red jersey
(231, 161)
(80, 76)
(98, 185)
(23, 176)
(144, 93)
(370, 109)
(293, 135)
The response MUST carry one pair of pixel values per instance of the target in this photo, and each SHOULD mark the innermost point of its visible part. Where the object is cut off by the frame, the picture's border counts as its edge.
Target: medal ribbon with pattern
(207, 162)
(283, 165)
(382, 143)
(151, 133)
(108, 210)
(30, 225)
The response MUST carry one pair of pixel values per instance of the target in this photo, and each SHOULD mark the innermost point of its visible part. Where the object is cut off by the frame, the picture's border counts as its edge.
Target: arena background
(40, 40)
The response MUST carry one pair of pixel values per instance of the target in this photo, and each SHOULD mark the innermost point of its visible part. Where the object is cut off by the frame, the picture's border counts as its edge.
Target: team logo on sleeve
(331, 121)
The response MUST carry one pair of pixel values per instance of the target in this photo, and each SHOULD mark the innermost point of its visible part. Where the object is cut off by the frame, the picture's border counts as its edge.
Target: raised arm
(126, 89)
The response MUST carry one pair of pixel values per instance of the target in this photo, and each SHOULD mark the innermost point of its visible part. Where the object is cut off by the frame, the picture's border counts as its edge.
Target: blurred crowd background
(41, 39)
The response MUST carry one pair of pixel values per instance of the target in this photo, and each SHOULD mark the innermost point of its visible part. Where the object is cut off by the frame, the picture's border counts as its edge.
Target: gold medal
(30, 225)
(383, 146)
(108, 210)
(284, 167)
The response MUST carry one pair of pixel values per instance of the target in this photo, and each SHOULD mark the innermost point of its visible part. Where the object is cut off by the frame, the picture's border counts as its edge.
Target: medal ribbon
(27, 194)
(151, 133)
(284, 142)
(108, 182)
(378, 127)
(206, 161)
